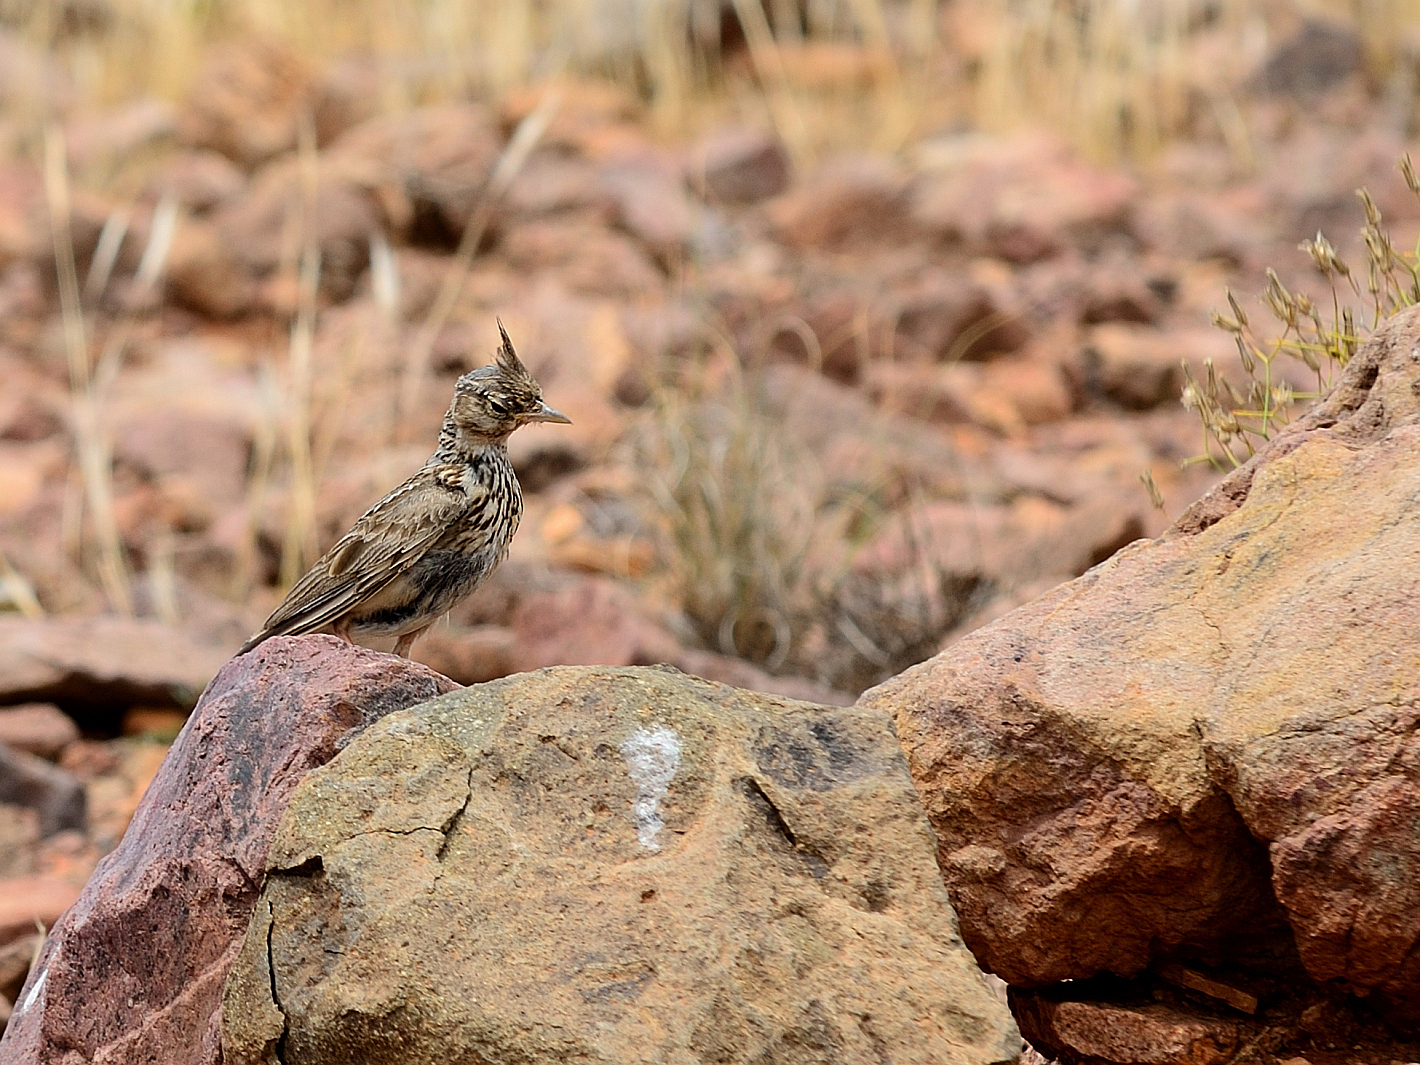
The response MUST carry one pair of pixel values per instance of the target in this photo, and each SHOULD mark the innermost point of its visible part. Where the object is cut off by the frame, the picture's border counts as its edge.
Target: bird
(429, 543)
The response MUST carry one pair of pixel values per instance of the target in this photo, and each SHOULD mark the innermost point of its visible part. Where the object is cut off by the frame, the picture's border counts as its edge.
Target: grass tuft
(1237, 417)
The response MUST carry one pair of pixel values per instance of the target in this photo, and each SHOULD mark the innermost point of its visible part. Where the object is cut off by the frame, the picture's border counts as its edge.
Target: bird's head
(492, 401)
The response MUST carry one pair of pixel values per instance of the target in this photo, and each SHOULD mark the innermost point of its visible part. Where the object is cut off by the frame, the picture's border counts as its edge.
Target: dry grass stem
(18, 591)
(525, 138)
(301, 545)
(1238, 416)
(95, 463)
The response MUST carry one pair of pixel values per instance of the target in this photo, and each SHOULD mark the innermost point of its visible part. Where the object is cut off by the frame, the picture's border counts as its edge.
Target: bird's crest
(507, 358)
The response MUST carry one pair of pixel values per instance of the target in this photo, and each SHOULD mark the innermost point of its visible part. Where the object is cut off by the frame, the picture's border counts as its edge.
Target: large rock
(610, 865)
(1210, 734)
(134, 970)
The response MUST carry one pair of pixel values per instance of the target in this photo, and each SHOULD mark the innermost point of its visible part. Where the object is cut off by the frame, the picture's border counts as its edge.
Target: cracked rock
(1208, 746)
(133, 971)
(610, 865)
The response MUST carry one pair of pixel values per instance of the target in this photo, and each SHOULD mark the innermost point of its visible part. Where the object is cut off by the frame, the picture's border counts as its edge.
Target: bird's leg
(405, 642)
(342, 629)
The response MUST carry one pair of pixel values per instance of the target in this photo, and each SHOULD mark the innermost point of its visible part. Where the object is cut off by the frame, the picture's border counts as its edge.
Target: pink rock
(1153, 1034)
(344, 215)
(30, 899)
(427, 167)
(740, 166)
(37, 728)
(102, 662)
(651, 203)
(200, 180)
(247, 101)
(1023, 199)
(134, 970)
(849, 201)
(591, 258)
(588, 621)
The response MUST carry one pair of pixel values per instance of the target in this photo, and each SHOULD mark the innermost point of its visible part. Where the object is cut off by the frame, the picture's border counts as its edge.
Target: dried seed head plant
(758, 539)
(1239, 416)
(737, 505)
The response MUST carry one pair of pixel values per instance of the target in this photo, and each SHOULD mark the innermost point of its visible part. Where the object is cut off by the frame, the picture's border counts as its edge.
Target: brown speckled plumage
(436, 537)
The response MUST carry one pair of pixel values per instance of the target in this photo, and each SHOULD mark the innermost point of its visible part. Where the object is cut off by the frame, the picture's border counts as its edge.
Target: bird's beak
(547, 414)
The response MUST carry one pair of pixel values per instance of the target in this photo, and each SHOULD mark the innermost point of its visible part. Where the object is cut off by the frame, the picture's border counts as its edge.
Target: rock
(551, 182)
(832, 331)
(1203, 225)
(1140, 368)
(1322, 53)
(468, 655)
(590, 258)
(594, 117)
(427, 168)
(586, 621)
(149, 721)
(946, 317)
(32, 408)
(857, 200)
(1021, 199)
(1025, 540)
(1152, 1034)
(609, 865)
(93, 665)
(15, 959)
(650, 202)
(1005, 396)
(347, 91)
(19, 840)
(740, 165)
(1120, 293)
(741, 674)
(26, 900)
(30, 781)
(247, 100)
(198, 180)
(134, 970)
(1204, 747)
(204, 275)
(109, 138)
(255, 226)
(203, 441)
(37, 728)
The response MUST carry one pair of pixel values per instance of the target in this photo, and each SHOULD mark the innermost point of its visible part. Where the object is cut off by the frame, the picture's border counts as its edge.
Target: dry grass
(1121, 79)
(90, 442)
(1238, 416)
(1118, 78)
(758, 541)
(739, 506)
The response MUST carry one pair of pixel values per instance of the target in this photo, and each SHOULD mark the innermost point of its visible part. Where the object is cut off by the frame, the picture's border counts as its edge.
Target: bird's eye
(497, 408)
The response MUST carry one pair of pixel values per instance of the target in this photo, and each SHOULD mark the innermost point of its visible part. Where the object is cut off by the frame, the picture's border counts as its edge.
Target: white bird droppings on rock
(652, 757)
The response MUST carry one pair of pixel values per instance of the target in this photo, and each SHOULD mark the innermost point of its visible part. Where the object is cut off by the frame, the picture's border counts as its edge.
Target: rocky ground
(922, 389)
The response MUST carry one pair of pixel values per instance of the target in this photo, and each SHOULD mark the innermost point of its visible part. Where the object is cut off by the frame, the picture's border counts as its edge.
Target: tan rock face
(610, 865)
(1130, 767)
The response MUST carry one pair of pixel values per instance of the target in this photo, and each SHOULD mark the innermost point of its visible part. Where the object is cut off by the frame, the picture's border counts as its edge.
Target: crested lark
(434, 539)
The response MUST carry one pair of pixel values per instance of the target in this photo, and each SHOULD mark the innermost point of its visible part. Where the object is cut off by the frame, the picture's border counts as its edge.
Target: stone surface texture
(1131, 767)
(610, 865)
(1151, 1034)
(133, 971)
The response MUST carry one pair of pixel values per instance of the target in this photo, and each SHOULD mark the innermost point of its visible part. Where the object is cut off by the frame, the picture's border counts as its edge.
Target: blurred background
(875, 318)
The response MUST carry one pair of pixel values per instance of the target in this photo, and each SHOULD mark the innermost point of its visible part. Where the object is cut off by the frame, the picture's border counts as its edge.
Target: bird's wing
(384, 543)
